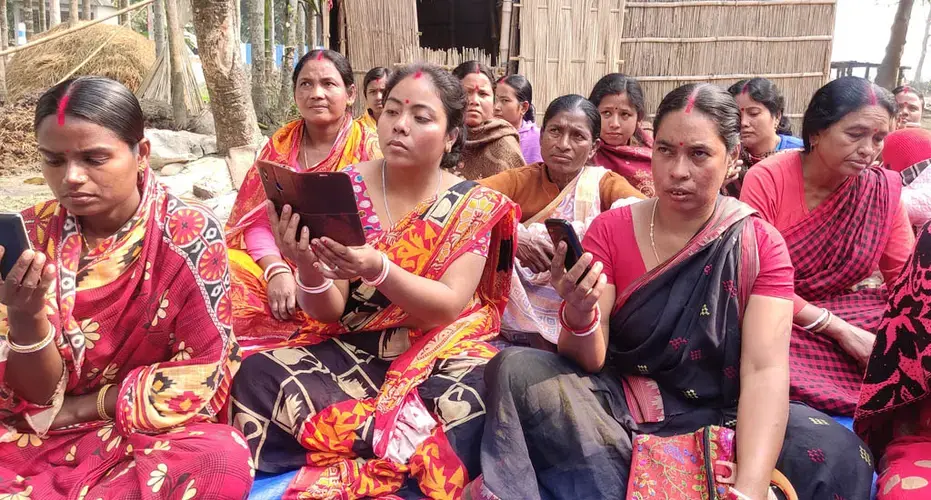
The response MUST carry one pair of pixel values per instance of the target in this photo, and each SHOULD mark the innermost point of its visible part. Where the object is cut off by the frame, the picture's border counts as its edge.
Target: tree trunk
(256, 19)
(75, 9)
(888, 73)
(158, 28)
(269, 40)
(285, 94)
(175, 57)
(124, 18)
(28, 19)
(54, 13)
(310, 23)
(924, 48)
(218, 40)
(4, 41)
(42, 25)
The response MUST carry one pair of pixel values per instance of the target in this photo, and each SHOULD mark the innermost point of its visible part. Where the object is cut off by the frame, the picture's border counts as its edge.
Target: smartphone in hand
(14, 239)
(561, 230)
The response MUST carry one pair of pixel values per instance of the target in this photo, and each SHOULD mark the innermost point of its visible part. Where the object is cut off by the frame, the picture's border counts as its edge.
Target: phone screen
(14, 240)
(561, 230)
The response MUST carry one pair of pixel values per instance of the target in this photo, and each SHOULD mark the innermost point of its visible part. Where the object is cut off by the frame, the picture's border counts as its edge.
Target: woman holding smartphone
(664, 332)
(116, 351)
(385, 384)
(324, 139)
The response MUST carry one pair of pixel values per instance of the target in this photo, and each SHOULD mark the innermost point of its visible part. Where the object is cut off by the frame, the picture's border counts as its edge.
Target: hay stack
(18, 151)
(127, 59)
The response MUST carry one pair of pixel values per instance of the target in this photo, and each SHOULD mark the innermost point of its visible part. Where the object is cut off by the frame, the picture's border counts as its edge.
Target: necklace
(652, 224)
(384, 189)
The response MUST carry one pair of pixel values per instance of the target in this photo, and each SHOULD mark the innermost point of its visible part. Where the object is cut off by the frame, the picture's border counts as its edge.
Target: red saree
(633, 162)
(369, 446)
(252, 317)
(835, 248)
(148, 310)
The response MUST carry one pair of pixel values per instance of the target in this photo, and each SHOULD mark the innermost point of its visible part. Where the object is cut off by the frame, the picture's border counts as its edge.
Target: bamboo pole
(711, 39)
(13, 50)
(504, 43)
(771, 76)
(724, 3)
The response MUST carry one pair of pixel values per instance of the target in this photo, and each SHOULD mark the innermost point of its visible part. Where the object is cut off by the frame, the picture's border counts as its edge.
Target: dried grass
(18, 147)
(127, 59)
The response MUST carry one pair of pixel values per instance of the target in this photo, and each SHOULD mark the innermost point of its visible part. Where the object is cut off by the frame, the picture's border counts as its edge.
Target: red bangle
(579, 332)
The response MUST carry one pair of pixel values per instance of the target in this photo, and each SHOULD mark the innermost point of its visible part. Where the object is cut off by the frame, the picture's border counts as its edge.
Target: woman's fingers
(291, 305)
(587, 283)
(575, 274)
(283, 220)
(272, 214)
(20, 268)
(34, 274)
(594, 295)
(557, 267)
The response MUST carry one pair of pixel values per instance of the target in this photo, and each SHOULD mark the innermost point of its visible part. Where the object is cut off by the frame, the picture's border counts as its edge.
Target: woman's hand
(70, 413)
(580, 287)
(23, 291)
(535, 253)
(733, 172)
(282, 296)
(858, 343)
(339, 262)
(284, 229)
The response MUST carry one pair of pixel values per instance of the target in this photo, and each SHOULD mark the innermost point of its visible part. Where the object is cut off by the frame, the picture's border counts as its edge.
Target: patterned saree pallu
(368, 446)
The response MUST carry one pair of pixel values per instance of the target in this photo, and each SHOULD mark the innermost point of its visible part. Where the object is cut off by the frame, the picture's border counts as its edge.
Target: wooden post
(28, 19)
(175, 46)
(86, 7)
(325, 22)
(125, 17)
(504, 42)
(42, 25)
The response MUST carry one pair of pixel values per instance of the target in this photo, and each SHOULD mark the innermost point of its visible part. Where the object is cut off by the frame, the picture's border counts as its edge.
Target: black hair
(765, 92)
(574, 102)
(376, 73)
(99, 100)
(470, 67)
(339, 62)
(712, 101)
(451, 94)
(837, 99)
(908, 88)
(616, 84)
(523, 91)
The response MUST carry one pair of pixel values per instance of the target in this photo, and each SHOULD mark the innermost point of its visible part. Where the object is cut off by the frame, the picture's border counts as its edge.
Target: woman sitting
(491, 144)
(664, 331)
(842, 220)
(764, 128)
(117, 353)
(324, 139)
(373, 91)
(514, 104)
(908, 151)
(625, 147)
(911, 104)
(894, 414)
(387, 383)
(562, 187)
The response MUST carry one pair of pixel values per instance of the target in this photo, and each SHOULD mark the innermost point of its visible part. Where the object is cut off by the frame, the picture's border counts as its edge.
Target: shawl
(490, 148)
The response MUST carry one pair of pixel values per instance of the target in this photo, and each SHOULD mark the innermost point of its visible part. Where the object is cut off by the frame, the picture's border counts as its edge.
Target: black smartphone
(324, 201)
(14, 239)
(561, 230)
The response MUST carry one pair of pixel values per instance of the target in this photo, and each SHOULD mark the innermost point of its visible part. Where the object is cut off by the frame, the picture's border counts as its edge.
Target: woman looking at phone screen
(324, 139)
(116, 350)
(562, 186)
(399, 324)
(664, 336)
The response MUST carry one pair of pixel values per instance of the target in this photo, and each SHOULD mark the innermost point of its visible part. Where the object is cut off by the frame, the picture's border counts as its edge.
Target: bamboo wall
(567, 45)
(669, 43)
(379, 33)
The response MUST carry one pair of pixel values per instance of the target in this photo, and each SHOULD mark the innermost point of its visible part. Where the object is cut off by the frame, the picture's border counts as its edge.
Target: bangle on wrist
(102, 403)
(38, 346)
(276, 272)
(818, 321)
(275, 268)
(382, 275)
(737, 495)
(580, 332)
(313, 290)
(824, 326)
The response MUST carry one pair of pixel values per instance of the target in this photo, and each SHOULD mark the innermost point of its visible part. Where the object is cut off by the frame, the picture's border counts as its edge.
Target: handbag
(692, 466)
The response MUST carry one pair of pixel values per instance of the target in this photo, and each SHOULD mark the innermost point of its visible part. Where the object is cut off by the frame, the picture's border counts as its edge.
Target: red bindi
(418, 75)
(681, 144)
(407, 101)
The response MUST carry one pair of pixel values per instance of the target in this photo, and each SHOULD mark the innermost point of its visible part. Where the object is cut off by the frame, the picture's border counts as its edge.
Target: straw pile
(127, 58)
(18, 151)
(451, 58)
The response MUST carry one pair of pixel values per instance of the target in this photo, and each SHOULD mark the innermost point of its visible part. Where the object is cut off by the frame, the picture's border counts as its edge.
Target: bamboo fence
(378, 33)
(566, 49)
(669, 43)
